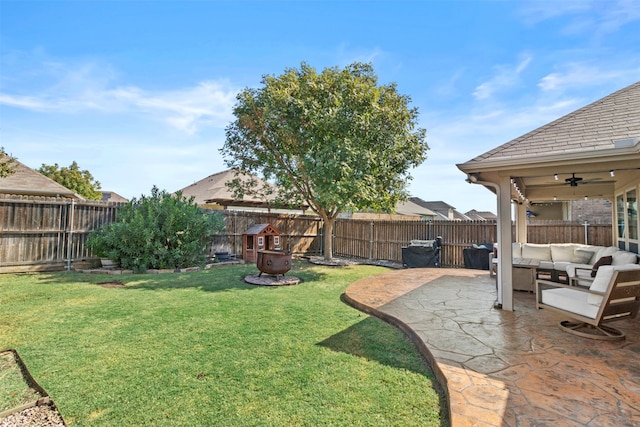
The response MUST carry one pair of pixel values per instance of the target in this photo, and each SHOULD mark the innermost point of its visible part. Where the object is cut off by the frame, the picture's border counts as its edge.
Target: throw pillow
(605, 260)
(581, 257)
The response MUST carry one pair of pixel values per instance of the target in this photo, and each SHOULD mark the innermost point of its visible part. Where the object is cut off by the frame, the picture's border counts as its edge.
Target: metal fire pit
(273, 262)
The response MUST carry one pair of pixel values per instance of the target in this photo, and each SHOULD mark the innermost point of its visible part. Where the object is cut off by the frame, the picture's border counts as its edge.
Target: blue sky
(139, 93)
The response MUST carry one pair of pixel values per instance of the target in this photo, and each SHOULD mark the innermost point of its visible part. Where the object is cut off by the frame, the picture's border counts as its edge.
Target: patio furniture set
(591, 285)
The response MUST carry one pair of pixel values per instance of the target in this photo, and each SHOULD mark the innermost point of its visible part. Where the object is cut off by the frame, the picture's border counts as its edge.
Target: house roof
(587, 153)
(213, 189)
(441, 208)
(113, 197)
(481, 215)
(595, 127)
(27, 181)
(411, 208)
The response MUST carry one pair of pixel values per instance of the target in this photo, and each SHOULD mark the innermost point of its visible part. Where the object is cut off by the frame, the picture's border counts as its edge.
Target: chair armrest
(575, 280)
(550, 284)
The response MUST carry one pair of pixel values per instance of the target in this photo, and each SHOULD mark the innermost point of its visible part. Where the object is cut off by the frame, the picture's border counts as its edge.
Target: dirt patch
(111, 284)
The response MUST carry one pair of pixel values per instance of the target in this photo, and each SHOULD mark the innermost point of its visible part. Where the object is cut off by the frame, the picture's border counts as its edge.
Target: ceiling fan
(573, 181)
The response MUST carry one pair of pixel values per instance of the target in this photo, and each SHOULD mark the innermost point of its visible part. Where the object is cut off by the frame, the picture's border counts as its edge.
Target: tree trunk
(328, 238)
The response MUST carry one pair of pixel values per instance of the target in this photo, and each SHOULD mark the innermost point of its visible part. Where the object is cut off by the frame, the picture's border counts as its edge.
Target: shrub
(157, 231)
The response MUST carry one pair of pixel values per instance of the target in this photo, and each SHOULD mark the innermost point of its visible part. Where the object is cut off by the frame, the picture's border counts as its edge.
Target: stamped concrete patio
(501, 368)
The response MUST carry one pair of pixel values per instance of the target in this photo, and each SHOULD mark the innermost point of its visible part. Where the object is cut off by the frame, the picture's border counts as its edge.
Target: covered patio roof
(593, 152)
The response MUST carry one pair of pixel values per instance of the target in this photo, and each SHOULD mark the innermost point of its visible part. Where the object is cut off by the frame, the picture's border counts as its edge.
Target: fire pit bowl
(273, 262)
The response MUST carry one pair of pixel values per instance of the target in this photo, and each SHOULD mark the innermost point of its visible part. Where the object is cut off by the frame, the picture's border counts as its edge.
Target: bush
(159, 231)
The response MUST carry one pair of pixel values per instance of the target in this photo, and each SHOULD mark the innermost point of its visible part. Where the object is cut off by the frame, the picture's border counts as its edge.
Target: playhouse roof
(262, 229)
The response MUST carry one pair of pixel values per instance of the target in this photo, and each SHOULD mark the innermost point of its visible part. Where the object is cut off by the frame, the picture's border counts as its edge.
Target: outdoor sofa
(559, 261)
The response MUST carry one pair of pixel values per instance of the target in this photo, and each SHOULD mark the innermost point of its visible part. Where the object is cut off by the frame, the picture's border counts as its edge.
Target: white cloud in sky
(593, 17)
(582, 75)
(93, 87)
(505, 77)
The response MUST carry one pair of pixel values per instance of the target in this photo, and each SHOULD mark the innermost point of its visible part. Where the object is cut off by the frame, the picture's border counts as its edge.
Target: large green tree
(7, 164)
(336, 140)
(79, 181)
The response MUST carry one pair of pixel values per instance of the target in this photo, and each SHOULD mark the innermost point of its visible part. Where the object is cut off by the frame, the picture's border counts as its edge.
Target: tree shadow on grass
(374, 339)
(216, 279)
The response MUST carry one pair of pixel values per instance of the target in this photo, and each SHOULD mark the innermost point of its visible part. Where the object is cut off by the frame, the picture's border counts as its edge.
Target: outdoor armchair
(614, 294)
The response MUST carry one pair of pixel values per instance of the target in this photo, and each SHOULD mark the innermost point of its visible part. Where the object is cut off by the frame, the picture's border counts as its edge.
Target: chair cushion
(570, 300)
(605, 260)
(536, 251)
(582, 256)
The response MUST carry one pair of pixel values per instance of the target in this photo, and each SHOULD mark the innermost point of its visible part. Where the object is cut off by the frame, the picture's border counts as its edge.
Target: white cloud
(91, 87)
(505, 78)
(593, 17)
(583, 75)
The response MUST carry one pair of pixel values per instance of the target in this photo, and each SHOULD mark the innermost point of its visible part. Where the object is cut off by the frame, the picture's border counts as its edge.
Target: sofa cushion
(624, 257)
(545, 265)
(604, 251)
(605, 260)
(516, 248)
(561, 266)
(582, 256)
(536, 251)
(603, 279)
(578, 270)
(571, 300)
(562, 251)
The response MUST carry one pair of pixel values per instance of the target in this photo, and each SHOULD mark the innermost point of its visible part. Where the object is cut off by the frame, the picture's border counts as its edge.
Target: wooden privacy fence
(44, 233)
(301, 234)
(38, 233)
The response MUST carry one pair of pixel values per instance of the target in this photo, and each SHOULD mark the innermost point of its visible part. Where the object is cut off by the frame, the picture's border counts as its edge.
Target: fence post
(371, 240)
(586, 232)
(70, 236)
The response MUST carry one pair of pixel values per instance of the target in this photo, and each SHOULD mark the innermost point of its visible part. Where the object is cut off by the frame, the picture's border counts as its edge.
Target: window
(620, 214)
(627, 225)
(632, 214)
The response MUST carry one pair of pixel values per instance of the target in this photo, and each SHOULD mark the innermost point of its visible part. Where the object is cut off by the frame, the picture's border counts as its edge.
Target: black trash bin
(478, 256)
(422, 253)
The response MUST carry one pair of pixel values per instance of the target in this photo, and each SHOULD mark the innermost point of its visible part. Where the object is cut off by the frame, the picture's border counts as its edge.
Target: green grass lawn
(207, 349)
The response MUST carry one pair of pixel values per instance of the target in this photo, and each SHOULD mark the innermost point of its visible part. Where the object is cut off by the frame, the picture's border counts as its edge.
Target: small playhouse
(260, 237)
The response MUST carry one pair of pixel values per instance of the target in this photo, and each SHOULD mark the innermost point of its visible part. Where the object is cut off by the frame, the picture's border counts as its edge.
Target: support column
(521, 223)
(505, 280)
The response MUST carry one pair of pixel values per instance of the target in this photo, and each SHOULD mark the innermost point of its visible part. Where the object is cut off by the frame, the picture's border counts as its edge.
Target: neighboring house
(405, 211)
(445, 211)
(593, 152)
(409, 207)
(481, 215)
(212, 192)
(29, 182)
(113, 197)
